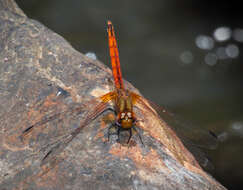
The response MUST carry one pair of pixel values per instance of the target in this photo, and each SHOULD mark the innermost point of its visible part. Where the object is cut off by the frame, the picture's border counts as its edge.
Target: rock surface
(41, 75)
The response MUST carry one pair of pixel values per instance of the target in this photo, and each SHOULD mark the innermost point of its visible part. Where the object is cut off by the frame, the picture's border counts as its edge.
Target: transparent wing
(47, 118)
(192, 137)
(191, 134)
(96, 107)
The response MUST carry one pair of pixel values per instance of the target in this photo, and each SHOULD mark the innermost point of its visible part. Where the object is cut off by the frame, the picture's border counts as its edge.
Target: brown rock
(41, 75)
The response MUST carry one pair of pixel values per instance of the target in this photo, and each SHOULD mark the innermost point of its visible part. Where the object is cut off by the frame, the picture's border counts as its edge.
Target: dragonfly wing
(200, 156)
(194, 147)
(72, 109)
(188, 132)
(54, 149)
(96, 107)
(93, 114)
(47, 118)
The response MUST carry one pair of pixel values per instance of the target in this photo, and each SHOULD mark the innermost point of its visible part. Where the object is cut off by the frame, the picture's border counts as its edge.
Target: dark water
(186, 55)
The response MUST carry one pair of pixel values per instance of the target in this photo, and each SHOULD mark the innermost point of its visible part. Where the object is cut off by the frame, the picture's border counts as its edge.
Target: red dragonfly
(123, 100)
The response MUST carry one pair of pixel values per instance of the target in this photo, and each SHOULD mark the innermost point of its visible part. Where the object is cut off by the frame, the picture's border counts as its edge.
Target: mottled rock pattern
(40, 75)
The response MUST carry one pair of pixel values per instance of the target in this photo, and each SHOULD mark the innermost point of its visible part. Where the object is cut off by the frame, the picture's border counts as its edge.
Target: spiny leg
(118, 130)
(118, 126)
(118, 134)
(134, 128)
(130, 132)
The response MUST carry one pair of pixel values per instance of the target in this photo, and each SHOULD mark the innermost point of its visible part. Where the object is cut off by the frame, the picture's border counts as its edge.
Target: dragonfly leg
(118, 134)
(130, 135)
(140, 138)
(137, 121)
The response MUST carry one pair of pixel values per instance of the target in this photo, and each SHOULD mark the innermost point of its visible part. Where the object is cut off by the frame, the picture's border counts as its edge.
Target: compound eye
(122, 115)
(129, 114)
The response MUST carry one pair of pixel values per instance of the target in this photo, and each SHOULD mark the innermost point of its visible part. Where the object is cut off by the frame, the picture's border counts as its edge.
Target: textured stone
(41, 75)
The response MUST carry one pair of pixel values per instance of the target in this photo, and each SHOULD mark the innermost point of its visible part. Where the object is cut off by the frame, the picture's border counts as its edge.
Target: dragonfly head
(126, 119)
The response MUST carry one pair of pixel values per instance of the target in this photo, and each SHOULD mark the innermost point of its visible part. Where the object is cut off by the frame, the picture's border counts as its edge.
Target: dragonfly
(123, 101)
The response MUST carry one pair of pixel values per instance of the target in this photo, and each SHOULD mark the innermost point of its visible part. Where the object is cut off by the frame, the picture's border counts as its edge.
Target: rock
(41, 75)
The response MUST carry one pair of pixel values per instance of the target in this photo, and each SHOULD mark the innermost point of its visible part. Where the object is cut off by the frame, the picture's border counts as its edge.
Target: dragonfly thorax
(124, 109)
(123, 102)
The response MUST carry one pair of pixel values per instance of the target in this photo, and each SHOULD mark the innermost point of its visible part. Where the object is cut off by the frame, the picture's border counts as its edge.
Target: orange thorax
(124, 108)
